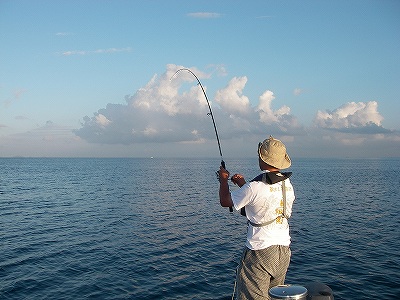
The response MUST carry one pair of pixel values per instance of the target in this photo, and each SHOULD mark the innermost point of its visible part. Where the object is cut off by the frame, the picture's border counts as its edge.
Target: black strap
(272, 177)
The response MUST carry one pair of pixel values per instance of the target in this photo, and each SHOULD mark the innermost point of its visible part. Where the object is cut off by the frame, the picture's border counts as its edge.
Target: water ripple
(153, 229)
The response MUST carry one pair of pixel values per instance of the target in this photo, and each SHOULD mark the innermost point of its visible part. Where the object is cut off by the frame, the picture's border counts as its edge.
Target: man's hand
(224, 194)
(223, 174)
(238, 179)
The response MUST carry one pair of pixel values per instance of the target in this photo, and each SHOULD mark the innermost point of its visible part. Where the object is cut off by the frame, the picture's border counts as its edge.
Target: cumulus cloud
(264, 107)
(280, 118)
(357, 117)
(172, 109)
(102, 121)
(175, 110)
(156, 112)
(231, 97)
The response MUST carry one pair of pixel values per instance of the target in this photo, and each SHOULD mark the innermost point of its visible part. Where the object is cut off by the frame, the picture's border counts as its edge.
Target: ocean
(138, 228)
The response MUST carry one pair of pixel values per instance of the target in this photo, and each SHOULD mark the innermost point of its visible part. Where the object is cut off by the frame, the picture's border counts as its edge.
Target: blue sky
(93, 78)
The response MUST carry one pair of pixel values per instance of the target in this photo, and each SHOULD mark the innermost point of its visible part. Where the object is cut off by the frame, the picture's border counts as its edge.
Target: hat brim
(279, 163)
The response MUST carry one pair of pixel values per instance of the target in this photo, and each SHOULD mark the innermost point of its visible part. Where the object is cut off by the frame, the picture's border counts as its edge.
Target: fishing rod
(210, 114)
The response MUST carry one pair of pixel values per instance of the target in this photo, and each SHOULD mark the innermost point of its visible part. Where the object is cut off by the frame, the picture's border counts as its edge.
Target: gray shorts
(260, 270)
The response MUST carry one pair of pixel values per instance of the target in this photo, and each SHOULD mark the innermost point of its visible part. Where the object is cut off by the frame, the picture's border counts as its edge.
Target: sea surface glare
(86, 228)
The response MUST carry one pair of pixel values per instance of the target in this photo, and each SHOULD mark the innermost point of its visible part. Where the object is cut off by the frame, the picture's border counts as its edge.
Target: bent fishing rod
(210, 114)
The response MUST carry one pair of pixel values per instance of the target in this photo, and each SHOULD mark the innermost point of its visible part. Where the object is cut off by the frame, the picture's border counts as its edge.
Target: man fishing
(267, 203)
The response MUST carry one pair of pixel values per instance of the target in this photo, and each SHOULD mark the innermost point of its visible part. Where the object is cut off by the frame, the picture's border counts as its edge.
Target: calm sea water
(153, 228)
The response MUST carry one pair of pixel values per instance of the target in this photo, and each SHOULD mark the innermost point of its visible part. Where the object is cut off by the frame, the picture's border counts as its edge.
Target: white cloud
(156, 112)
(98, 51)
(170, 111)
(352, 116)
(161, 94)
(204, 15)
(220, 69)
(75, 52)
(150, 131)
(264, 17)
(266, 113)
(231, 97)
(297, 91)
(176, 110)
(63, 33)
(102, 120)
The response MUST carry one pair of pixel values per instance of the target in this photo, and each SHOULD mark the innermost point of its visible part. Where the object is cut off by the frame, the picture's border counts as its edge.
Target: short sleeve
(243, 196)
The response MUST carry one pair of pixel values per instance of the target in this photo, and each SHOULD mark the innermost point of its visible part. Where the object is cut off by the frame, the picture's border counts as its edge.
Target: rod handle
(223, 164)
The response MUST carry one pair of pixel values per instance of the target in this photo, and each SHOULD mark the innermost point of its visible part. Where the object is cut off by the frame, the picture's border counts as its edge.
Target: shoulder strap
(261, 224)
(284, 199)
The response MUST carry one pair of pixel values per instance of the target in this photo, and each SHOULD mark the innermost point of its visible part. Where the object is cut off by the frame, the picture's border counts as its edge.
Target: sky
(95, 78)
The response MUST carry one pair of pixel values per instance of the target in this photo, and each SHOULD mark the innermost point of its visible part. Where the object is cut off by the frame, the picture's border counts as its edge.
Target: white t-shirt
(264, 202)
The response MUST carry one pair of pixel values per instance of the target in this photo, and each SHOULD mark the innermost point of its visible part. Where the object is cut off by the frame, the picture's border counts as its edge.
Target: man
(267, 202)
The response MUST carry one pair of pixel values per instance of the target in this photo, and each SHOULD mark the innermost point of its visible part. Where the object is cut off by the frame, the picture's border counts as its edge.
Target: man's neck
(271, 170)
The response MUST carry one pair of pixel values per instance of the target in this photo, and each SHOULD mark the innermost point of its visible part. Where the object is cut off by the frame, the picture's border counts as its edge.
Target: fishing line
(210, 114)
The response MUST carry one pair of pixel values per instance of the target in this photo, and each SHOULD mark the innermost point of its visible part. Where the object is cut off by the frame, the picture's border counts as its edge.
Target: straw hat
(273, 152)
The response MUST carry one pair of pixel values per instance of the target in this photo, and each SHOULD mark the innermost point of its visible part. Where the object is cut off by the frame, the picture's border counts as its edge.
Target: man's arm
(224, 195)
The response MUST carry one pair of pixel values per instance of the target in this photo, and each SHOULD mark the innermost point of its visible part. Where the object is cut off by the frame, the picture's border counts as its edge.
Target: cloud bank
(175, 110)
